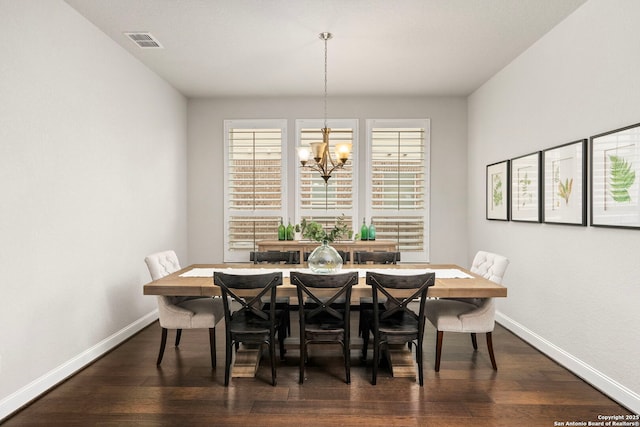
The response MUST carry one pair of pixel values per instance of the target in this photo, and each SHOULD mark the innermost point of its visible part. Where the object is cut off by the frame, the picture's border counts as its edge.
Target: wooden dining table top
(197, 280)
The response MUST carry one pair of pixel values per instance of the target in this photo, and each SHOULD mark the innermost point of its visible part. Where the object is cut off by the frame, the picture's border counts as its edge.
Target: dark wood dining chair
(246, 320)
(346, 256)
(360, 257)
(325, 301)
(275, 257)
(397, 323)
(278, 257)
(378, 257)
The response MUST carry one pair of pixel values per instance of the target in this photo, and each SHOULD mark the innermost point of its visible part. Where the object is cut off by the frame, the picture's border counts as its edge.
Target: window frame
(282, 124)
(422, 256)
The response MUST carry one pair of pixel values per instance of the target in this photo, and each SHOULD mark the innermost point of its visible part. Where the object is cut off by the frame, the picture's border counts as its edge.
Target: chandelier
(319, 151)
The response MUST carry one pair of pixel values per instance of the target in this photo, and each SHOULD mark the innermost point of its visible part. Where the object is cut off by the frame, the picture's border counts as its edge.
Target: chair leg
(163, 343)
(227, 360)
(303, 357)
(282, 335)
(287, 319)
(438, 349)
(474, 341)
(272, 351)
(347, 361)
(212, 346)
(365, 343)
(376, 361)
(491, 355)
(419, 360)
(178, 335)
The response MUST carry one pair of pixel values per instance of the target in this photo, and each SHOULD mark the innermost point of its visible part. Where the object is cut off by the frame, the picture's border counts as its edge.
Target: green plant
(315, 231)
(621, 178)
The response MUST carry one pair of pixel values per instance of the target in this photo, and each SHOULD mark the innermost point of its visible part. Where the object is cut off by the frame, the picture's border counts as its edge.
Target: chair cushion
(490, 266)
(162, 264)
(457, 316)
(191, 314)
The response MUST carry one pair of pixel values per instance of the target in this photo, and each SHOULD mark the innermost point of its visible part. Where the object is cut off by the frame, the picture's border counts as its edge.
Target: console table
(350, 246)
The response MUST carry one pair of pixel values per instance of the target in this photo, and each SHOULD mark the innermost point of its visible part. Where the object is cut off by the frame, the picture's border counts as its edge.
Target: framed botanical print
(564, 179)
(525, 188)
(615, 172)
(497, 188)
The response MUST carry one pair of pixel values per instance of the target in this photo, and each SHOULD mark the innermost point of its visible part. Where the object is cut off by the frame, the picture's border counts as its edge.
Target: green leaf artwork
(620, 179)
(525, 194)
(564, 189)
(497, 190)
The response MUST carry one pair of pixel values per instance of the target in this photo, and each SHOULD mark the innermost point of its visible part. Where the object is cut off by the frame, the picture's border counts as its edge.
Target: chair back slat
(316, 287)
(275, 257)
(346, 256)
(248, 291)
(386, 284)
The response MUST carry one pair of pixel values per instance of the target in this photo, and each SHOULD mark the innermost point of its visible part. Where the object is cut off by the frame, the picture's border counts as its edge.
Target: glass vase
(325, 259)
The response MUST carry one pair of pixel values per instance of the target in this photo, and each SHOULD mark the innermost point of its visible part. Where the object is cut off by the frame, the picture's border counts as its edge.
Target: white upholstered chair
(183, 312)
(469, 315)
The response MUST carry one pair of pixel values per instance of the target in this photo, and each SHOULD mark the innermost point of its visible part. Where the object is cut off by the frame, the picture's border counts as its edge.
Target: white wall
(92, 179)
(448, 242)
(573, 291)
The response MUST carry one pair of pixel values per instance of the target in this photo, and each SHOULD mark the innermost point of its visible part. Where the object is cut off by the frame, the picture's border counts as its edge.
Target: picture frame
(497, 191)
(615, 178)
(564, 181)
(525, 172)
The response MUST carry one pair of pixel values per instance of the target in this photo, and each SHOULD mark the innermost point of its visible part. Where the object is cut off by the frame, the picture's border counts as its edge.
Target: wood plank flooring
(125, 388)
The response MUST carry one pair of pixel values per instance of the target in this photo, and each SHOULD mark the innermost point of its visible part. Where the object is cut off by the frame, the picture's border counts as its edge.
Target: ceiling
(379, 47)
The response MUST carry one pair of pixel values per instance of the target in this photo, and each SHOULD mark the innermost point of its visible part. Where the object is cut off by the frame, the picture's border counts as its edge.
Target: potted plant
(315, 231)
(325, 259)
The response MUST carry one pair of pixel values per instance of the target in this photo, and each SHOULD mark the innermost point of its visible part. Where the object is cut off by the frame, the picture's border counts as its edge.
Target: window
(316, 201)
(254, 184)
(395, 194)
(398, 182)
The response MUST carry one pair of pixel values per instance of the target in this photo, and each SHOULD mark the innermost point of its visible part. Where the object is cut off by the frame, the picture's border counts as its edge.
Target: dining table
(451, 281)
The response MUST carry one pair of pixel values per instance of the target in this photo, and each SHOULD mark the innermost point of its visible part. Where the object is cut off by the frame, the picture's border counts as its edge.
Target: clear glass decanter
(325, 259)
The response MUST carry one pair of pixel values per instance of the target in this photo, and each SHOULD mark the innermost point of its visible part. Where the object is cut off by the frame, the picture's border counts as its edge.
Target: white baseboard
(26, 394)
(616, 391)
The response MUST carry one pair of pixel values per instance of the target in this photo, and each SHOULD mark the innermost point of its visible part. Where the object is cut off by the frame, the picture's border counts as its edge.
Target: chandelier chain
(325, 81)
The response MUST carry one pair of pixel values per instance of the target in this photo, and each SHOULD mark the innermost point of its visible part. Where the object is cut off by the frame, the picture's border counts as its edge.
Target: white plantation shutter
(315, 200)
(397, 184)
(254, 184)
(395, 194)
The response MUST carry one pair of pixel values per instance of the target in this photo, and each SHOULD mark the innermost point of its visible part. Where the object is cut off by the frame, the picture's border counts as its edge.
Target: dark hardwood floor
(126, 388)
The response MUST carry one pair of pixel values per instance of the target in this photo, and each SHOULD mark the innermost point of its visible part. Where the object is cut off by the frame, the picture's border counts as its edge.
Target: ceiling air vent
(144, 40)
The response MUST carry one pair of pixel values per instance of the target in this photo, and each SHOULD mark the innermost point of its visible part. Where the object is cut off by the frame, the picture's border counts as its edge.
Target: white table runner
(441, 273)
